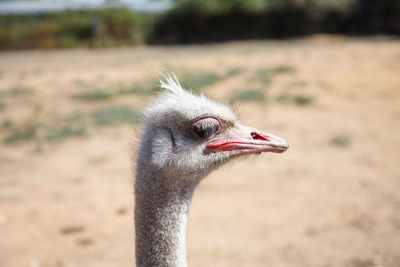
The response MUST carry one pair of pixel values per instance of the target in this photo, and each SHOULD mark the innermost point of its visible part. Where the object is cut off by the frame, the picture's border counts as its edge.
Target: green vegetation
(199, 21)
(301, 100)
(284, 97)
(73, 28)
(75, 118)
(2, 105)
(248, 6)
(64, 131)
(142, 88)
(196, 21)
(37, 109)
(283, 69)
(341, 140)
(73, 125)
(18, 90)
(25, 133)
(256, 95)
(263, 75)
(138, 90)
(234, 71)
(6, 124)
(96, 94)
(219, 6)
(297, 84)
(193, 80)
(116, 115)
(196, 81)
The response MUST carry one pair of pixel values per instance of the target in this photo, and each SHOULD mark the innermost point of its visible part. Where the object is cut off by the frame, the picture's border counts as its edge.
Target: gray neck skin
(161, 209)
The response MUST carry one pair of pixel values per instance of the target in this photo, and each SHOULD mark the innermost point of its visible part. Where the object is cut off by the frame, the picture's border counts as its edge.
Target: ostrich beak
(248, 140)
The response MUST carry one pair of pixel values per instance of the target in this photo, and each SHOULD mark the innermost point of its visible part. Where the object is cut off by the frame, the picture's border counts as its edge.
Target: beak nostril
(257, 136)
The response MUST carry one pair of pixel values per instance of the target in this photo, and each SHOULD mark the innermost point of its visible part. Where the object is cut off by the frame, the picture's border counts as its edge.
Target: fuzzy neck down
(161, 210)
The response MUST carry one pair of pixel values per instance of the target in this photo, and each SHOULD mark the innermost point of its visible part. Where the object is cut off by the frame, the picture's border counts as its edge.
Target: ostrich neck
(161, 209)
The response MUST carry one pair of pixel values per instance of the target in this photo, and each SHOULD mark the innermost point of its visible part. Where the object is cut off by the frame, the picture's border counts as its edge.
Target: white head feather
(176, 98)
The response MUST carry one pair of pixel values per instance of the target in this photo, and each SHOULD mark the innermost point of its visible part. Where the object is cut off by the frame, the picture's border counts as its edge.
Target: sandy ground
(70, 202)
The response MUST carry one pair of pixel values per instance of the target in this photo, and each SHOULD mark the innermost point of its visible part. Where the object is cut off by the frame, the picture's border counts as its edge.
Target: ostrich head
(188, 136)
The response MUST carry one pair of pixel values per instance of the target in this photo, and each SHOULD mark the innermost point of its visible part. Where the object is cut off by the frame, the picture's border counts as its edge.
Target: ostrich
(185, 138)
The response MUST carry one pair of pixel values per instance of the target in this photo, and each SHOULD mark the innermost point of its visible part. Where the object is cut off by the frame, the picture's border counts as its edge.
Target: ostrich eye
(206, 127)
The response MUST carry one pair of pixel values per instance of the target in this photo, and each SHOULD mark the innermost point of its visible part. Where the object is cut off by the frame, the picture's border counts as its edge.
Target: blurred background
(76, 76)
(27, 24)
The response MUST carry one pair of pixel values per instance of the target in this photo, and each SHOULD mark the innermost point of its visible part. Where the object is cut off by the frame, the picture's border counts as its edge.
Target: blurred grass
(303, 100)
(18, 90)
(6, 124)
(80, 123)
(263, 75)
(54, 133)
(143, 88)
(2, 104)
(234, 71)
(196, 81)
(283, 69)
(72, 125)
(95, 94)
(266, 75)
(297, 84)
(116, 115)
(299, 99)
(193, 80)
(341, 140)
(284, 98)
(24, 133)
(256, 95)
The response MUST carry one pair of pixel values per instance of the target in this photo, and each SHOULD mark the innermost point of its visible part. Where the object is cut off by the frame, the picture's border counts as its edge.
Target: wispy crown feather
(171, 83)
(176, 98)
